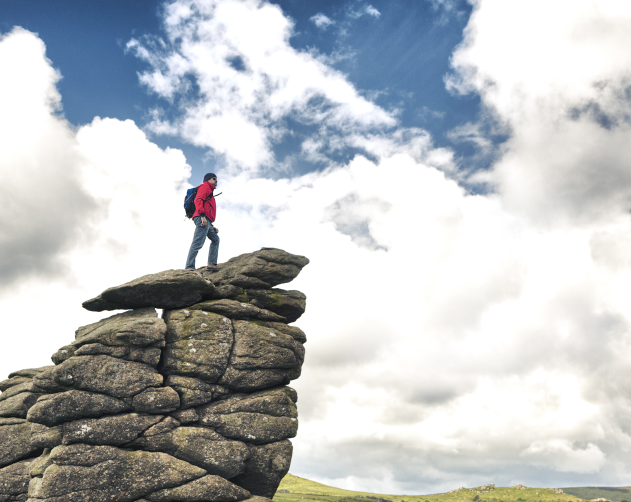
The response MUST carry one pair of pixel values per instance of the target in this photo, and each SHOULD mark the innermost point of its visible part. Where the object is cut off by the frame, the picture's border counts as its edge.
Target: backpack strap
(211, 194)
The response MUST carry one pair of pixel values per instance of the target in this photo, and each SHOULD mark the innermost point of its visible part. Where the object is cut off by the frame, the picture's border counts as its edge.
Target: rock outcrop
(191, 406)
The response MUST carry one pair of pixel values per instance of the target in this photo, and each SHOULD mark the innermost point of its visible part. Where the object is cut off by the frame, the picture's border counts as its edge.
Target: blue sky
(401, 55)
(457, 173)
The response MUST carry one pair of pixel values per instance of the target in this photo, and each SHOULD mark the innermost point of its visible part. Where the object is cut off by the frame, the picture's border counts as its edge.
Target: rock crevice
(189, 406)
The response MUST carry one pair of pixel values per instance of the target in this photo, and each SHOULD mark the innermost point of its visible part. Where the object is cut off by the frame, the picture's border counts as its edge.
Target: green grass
(591, 492)
(295, 489)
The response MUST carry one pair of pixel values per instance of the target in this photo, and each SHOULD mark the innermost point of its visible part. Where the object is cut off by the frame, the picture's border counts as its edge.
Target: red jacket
(205, 207)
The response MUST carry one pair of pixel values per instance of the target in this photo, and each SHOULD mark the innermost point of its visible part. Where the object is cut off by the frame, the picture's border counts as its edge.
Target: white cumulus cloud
(454, 338)
(44, 205)
(355, 12)
(321, 20)
(250, 85)
(556, 75)
(81, 208)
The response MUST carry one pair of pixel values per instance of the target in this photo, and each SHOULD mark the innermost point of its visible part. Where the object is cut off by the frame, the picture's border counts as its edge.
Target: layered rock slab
(174, 289)
(239, 355)
(203, 385)
(21, 440)
(18, 377)
(262, 269)
(198, 344)
(195, 392)
(202, 447)
(206, 489)
(115, 431)
(170, 289)
(19, 394)
(141, 328)
(136, 335)
(102, 374)
(261, 358)
(14, 481)
(288, 304)
(27, 387)
(267, 466)
(238, 310)
(18, 405)
(259, 418)
(82, 473)
(53, 409)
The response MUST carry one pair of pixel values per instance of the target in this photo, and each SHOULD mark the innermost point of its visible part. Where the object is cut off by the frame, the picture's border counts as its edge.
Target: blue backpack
(189, 200)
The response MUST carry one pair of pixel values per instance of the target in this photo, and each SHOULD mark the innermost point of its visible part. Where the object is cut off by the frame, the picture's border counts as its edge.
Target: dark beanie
(209, 175)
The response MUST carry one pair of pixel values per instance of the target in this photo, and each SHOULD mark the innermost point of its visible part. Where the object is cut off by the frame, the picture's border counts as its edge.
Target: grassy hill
(591, 492)
(295, 489)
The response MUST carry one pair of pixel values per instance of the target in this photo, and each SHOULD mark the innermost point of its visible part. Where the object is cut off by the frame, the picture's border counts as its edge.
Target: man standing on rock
(204, 217)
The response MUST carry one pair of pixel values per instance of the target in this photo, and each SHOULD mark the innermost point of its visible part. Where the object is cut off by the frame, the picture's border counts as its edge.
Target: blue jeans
(198, 242)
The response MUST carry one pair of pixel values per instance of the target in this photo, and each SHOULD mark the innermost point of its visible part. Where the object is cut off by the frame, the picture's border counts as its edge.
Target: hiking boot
(212, 268)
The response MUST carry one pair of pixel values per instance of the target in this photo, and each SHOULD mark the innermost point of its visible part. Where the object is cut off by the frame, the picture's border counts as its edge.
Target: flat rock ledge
(190, 406)
(174, 289)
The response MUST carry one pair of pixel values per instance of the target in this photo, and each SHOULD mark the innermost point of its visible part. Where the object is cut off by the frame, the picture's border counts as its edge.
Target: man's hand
(215, 229)
(203, 221)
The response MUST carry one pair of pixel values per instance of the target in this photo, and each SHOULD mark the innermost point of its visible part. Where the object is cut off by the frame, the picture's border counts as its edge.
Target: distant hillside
(295, 489)
(591, 492)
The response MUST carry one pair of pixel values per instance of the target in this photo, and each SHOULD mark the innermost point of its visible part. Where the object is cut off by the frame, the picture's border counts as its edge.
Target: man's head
(212, 177)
